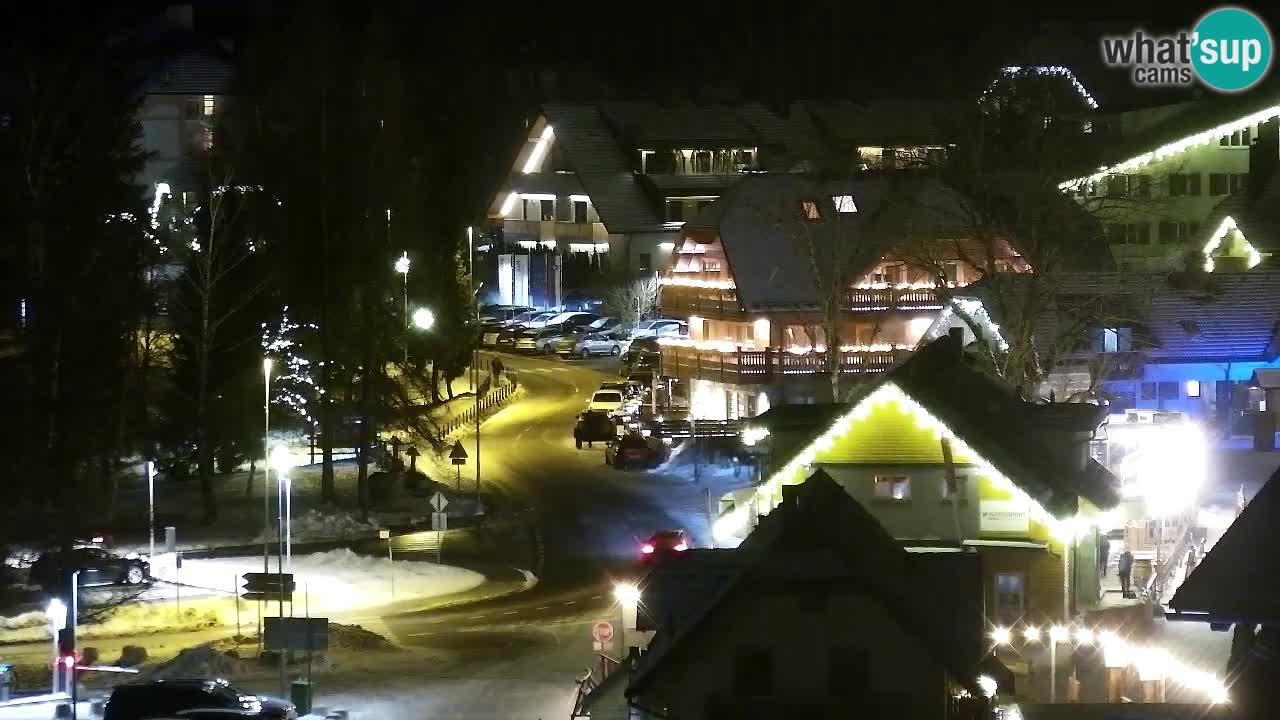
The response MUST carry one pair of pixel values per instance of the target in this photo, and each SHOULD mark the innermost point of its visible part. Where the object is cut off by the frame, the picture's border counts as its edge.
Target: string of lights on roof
(970, 309)
(1061, 71)
(689, 282)
(1215, 241)
(769, 494)
(1204, 137)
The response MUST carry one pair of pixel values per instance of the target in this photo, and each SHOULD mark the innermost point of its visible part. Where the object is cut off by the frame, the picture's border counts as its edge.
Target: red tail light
(646, 549)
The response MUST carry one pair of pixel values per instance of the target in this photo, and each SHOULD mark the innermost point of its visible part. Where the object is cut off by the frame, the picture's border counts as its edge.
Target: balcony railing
(709, 302)
(875, 299)
(771, 365)
(558, 230)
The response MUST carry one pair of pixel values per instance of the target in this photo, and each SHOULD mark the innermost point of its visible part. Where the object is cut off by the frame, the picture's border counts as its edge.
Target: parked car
(632, 450)
(662, 543)
(661, 328)
(597, 344)
(605, 325)
(574, 321)
(610, 401)
(628, 389)
(52, 570)
(594, 426)
(501, 313)
(507, 337)
(634, 361)
(196, 699)
(540, 320)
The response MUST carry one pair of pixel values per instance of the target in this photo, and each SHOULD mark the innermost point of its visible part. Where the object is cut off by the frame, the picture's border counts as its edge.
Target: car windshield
(607, 397)
(597, 324)
(646, 325)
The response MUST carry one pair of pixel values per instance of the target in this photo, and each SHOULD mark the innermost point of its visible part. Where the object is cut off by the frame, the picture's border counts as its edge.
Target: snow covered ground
(331, 581)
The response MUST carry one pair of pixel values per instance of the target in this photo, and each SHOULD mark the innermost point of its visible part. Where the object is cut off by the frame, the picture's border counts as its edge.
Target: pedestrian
(1104, 554)
(1124, 567)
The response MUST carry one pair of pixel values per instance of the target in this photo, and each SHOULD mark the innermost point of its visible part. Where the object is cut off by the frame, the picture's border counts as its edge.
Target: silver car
(598, 344)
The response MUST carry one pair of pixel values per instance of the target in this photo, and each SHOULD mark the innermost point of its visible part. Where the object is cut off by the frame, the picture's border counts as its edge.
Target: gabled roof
(1255, 215)
(1208, 317)
(821, 533)
(1239, 579)
(758, 223)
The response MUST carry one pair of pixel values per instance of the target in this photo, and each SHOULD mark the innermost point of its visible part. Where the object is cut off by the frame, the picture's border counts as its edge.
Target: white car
(661, 328)
(610, 401)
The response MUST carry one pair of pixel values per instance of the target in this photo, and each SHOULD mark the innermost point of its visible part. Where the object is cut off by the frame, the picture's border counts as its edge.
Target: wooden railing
(712, 302)
(869, 300)
(763, 366)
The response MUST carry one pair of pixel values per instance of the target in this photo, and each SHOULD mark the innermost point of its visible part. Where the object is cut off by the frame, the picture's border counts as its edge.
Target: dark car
(632, 450)
(52, 570)
(197, 699)
(663, 542)
(639, 361)
(594, 426)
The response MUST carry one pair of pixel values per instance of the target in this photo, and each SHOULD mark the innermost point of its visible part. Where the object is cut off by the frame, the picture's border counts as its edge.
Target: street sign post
(458, 456)
(267, 586)
(439, 502)
(602, 631)
(290, 633)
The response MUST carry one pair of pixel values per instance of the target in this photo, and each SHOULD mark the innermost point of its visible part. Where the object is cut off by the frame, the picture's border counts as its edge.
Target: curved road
(517, 657)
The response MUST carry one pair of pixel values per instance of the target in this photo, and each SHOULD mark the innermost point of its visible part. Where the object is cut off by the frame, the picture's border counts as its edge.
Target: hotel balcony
(565, 235)
(722, 303)
(770, 365)
(892, 298)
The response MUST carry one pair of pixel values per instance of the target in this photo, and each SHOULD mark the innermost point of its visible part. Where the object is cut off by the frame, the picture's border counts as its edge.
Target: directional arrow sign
(439, 502)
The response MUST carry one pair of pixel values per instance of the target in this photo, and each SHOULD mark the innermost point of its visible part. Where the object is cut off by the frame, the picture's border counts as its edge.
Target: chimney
(956, 334)
(1264, 153)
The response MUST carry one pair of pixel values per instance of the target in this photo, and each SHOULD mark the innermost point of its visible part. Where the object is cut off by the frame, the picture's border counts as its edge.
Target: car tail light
(681, 547)
(646, 548)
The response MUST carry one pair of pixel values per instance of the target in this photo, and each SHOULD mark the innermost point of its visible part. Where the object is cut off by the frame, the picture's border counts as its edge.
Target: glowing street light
(283, 461)
(1031, 634)
(1058, 634)
(1001, 636)
(628, 596)
(402, 267)
(423, 319)
(1084, 636)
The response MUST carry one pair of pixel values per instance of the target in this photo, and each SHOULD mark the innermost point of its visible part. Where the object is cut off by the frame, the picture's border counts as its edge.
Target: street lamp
(628, 596)
(282, 460)
(402, 267)
(266, 466)
(423, 319)
(1001, 636)
(56, 613)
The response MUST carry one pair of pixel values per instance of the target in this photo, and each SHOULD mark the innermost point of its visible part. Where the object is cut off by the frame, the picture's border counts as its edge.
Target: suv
(196, 699)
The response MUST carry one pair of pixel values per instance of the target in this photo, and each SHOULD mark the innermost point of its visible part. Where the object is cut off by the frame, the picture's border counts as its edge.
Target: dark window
(1193, 184)
(1143, 234)
(645, 261)
(753, 672)
(1218, 183)
(1168, 233)
(579, 211)
(1194, 229)
(1121, 400)
(1117, 185)
(1144, 186)
(1169, 391)
(1238, 181)
(675, 210)
(1177, 184)
(1115, 233)
(548, 209)
(847, 671)
(1148, 391)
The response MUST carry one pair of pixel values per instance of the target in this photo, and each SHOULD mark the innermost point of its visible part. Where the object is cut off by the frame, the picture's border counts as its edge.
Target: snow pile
(354, 637)
(341, 580)
(35, 618)
(319, 525)
(196, 662)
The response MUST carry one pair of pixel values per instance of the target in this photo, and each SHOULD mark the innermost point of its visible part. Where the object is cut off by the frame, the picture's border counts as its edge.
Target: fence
(747, 366)
(489, 400)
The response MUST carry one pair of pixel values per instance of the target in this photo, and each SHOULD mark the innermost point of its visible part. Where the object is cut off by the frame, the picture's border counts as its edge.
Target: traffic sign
(439, 521)
(267, 586)
(290, 633)
(439, 502)
(602, 631)
(458, 454)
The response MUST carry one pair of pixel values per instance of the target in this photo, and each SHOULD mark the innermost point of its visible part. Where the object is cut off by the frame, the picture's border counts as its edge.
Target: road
(517, 657)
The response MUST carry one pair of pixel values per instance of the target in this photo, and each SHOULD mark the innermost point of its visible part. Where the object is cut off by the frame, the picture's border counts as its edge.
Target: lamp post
(402, 267)
(628, 596)
(282, 461)
(151, 511)
(56, 613)
(266, 465)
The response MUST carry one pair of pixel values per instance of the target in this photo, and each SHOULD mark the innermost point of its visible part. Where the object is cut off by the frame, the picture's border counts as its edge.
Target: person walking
(1124, 568)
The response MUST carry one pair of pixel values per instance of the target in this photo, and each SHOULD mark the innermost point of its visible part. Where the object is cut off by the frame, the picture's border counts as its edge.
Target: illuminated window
(207, 106)
(1193, 388)
(844, 203)
(895, 488)
(811, 211)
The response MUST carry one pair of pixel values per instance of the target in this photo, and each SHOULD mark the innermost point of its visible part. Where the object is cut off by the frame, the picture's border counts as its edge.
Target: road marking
(571, 602)
(476, 617)
(512, 612)
(544, 607)
(596, 597)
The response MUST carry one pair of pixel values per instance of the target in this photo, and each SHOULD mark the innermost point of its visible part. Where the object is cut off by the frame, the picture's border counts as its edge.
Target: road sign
(297, 633)
(439, 521)
(384, 534)
(439, 502)
(602, 631)
(266, 586)
(458, 455)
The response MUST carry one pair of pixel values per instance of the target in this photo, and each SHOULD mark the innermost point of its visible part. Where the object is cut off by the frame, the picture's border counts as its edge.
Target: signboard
(439, 521)
(1004, 516)
(602, 631)
(439, 502)
(296, 633)
(458, 455)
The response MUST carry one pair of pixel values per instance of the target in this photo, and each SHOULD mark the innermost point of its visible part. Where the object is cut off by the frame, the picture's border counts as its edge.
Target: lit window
(844, 203)
(894, 488)
(207, 105)
(811, 211)
(1193, 388)
(1110, 339)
